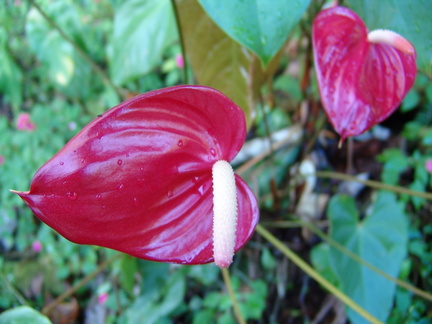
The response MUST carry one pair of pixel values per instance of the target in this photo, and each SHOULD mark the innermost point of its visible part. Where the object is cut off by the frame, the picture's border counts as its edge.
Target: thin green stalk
(356, 258)
(182, 43)
(237, 312)
(14, 291)
(83, 54)
(315, 275)
(373, 184)
(47, 309)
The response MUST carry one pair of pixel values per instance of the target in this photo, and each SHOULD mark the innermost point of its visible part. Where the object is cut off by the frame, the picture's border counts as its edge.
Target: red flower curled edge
(139, 178)
(362, 76)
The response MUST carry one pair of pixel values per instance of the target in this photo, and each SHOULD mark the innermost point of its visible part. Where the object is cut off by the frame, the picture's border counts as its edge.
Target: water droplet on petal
(61, 163)
(72, 195)
(213, 152)
(170, 194)
(98, 197)
(127, 154)
(180, 143)
(120, 186)
(135, 200)
(119, 162)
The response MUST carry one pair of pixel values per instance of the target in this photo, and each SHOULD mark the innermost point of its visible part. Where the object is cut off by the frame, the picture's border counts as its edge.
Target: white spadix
(224, 213)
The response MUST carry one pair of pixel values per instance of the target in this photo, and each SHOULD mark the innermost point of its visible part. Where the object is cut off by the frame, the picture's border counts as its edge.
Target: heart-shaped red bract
(361, 83)
(139, 178)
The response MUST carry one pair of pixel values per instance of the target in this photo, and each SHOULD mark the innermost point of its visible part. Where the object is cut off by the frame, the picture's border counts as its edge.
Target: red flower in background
(24, 123)
(139, 178)
(362, 76)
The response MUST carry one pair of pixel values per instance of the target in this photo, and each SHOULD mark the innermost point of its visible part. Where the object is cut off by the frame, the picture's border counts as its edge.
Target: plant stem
(14, 291)
(356, 258)
(315, 275)
(182, 43)
(83, 54)
(237, 312)
(373, 184)
(47, 309)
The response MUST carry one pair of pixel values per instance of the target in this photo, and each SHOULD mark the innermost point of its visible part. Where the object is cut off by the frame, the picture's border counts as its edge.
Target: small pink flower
(24, 123)
(37, 246)
(428, 166)
(179, 61)
(102, 298)
(2, 159)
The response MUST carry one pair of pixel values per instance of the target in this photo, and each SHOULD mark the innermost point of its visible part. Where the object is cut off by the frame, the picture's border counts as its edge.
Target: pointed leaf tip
(361, 82)
(139, 179)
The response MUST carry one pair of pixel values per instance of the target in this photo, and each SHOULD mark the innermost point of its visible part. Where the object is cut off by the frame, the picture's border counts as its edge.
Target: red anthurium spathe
(362, 76)
(139, 179)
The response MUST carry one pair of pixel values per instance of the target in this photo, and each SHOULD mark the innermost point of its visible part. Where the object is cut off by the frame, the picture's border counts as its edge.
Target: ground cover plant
(114, 115)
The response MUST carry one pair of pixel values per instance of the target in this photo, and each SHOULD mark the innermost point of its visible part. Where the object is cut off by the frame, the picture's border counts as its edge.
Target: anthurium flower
(138, 179)
(362, 76)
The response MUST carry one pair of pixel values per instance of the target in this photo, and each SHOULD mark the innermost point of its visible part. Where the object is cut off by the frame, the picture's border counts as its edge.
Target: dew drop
(120, 186)
(72, 195)
(141, 169)
(127, 154)
(65, 183)
(213, 152)
(61, 163)
(180, 143)
(119, 162)
(195, 179)
(135, 200)
(170, 194)
(98, 197)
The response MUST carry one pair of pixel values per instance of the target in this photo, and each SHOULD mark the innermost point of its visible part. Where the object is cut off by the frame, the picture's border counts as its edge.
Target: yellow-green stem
(47, 309)
(315, 275)
(373, 184)
(237, 312)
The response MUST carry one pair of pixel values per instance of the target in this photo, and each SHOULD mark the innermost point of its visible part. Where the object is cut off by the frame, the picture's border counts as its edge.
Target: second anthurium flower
(139, 180)
(362, 76)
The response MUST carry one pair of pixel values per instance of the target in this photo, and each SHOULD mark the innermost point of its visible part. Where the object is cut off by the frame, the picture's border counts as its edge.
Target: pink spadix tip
(224, 213)
(391, 38)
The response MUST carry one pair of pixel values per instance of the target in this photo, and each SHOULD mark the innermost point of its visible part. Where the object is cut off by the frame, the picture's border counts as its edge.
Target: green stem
(315, 275)
(356, 258)
(83, 54)
(14, 292)
(237, 312)
(373, 184)
(182, 43)
(47, 309)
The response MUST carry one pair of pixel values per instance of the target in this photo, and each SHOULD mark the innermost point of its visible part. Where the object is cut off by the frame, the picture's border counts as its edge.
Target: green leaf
(380, 239)
(142, 31)
(261, 26)
(220, 62)
(409, 18)
(128, 266)
(23, 315)
(50, 48)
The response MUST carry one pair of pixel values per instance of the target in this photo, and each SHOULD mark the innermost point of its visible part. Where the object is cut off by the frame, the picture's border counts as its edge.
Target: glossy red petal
(361, 83)
(138, 179)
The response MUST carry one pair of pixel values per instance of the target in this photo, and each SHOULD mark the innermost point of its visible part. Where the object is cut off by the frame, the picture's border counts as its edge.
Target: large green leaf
(142, 31)
(220, 62)
(50, 48)
(380, 239)
(23, 315)
(410, 18)
(260, 25)
(10, 74)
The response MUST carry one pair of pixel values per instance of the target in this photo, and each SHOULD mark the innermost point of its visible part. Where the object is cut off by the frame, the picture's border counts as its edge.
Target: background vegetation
(360, 215)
